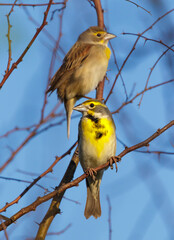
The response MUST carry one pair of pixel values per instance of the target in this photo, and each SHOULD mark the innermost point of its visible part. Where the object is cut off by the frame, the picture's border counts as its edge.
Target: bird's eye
(98, 35)
(92, 105)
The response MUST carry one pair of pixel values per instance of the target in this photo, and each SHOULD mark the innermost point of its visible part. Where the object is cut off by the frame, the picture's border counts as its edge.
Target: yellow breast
(97, 135)
(108, 52)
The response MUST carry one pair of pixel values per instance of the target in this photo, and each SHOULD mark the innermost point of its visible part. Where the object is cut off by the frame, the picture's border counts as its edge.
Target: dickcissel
(97, 144)
(84, 66)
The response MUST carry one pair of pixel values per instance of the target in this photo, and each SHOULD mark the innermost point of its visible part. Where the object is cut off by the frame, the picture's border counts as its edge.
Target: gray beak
(80, 108)
(109, 36)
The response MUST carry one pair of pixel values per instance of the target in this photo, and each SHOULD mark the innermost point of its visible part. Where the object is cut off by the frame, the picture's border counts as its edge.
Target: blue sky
(141, 192)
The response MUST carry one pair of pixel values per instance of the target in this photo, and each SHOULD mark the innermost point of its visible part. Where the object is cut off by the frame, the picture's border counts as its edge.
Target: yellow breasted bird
(84, 66)
(97, 144)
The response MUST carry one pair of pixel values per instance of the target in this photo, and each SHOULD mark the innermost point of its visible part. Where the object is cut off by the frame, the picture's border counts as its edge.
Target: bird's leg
(113, 160)
(92, 172)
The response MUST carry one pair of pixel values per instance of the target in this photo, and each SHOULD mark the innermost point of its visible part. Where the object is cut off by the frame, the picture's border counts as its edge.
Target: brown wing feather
(73, 60)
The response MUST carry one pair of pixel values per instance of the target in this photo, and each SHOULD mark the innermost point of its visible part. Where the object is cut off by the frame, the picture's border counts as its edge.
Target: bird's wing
(73, 60)
(76, 56)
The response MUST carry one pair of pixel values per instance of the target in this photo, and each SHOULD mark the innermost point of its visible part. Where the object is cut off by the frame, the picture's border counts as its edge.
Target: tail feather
(93, 207)
(69, 104)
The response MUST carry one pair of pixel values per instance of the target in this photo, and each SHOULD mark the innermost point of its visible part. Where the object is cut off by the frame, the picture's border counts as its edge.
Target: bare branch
(32, 134)
(75, 182)
(140, 93)
(15, 64)
(4, 228)
(59, 233)
(109, 217)
(54, 206)
(37, 179)
(138, 6)
(8, 37)
(29, 4)
(150, 39)
(100, 19)
(133, 48)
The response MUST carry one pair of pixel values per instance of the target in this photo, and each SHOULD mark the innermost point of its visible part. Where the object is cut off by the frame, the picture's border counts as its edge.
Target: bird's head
(96, 35)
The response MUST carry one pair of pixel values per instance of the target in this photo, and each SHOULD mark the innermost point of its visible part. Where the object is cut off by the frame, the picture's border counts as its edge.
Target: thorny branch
(54, 206)
(15, 64)
(149, 39)
(138, 6)
(50, 169)
(53, 210)
(8, 37)
(59, 233)
(30, 4)
(53, 60)
(99, 95)
(116, 63)
(75, 182)
(140, 93)
(55, 203)
(133, 48)
(32, 134)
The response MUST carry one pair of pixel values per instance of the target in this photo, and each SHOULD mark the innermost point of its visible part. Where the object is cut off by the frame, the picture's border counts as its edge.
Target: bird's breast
(108, 52)
(97, 143)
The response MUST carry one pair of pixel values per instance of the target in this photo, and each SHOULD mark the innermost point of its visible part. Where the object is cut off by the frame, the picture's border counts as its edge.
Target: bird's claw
(114, 160)
(92, 172)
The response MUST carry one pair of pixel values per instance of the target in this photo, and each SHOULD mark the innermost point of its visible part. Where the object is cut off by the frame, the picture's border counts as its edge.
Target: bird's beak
(109, 36)
(80, 108)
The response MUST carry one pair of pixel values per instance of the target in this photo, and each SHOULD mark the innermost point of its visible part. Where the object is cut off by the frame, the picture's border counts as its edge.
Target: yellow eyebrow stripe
(101, 32)
(94, 102)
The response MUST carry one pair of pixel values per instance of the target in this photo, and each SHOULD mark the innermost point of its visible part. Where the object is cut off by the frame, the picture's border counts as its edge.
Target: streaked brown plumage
(83, 68)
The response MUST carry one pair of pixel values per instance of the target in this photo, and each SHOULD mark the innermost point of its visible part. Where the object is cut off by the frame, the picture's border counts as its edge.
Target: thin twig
(30, 4)
(23, 181)
(32, 134)
(138, 6)
(52, 63)
(116, 63)
(109, 217)
(150, 39)
(15, 64)
(16, 129)
(8, 37)
(138, 94)
(133, 48)
(59, 233)
(37, 179)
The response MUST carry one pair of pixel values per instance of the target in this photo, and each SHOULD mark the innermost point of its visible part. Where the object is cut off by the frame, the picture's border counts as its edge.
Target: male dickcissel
(84, 66)
(97, 144)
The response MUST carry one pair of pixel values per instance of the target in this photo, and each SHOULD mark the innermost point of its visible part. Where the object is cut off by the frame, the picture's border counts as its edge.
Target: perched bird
(84, 66)
(97, 144)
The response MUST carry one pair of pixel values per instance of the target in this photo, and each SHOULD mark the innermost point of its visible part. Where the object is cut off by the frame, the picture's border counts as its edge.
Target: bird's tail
(69, 104)
(93, 207)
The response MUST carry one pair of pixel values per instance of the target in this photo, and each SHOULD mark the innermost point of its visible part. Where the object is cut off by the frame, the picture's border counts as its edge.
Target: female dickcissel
(84, 66)
(97, 144)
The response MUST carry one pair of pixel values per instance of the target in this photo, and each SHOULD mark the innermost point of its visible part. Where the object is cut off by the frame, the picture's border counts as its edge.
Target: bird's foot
(114, 160)
(92, 172)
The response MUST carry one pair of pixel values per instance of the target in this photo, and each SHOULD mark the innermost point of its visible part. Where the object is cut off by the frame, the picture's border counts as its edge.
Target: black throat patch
(94, 119)
(100, 128)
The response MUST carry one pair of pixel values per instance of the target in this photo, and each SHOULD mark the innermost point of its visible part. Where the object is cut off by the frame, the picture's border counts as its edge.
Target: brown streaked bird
(84, 66)
(97, 145)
